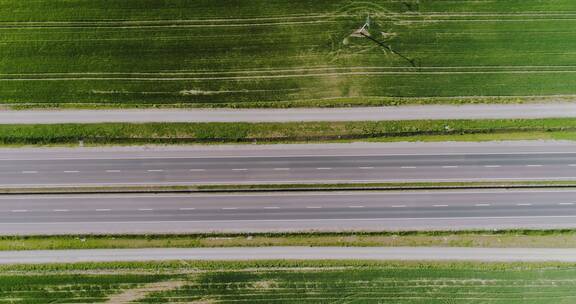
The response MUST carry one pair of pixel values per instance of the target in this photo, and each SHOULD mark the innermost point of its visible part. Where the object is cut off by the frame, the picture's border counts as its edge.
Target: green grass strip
(477, 238)
(288, 187)
(185, 133)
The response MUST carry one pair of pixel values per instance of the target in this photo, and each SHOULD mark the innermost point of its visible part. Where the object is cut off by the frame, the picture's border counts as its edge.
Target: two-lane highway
(283, 211)
(382, 167)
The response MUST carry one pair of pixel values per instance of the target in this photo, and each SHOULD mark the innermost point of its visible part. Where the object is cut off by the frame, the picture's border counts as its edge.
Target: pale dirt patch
(135, 294)
(204, 301)
(265, 285)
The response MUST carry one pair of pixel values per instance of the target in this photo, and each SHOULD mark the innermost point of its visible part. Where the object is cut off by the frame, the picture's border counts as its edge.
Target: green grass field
(290, 282)
(276, 53)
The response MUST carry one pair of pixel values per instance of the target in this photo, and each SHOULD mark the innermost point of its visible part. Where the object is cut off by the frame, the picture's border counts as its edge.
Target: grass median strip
(289, 187)
(482, 238)
(189, 133)
(289, 282)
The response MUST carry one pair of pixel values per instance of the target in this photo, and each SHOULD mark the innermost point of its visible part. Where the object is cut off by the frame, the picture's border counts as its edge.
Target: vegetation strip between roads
(189, 133)
(563, 238)
(119, 189)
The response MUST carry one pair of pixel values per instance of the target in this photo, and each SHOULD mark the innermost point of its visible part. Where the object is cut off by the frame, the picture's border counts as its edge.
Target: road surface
(289, 164)
(171, 213)
(478, 111)
(292, 253)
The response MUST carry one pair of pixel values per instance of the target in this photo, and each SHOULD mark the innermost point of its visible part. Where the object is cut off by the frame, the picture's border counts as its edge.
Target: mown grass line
(188, 133)
(565, 238)
(294, 282)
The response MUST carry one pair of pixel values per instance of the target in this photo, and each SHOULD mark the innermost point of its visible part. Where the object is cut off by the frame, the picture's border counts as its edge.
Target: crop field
(289, 282)
(277, 53)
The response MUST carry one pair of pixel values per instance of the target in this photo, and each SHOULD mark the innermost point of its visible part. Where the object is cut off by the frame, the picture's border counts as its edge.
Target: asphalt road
(292, 253)
(164, 213)
(478, 111)
(330, 164)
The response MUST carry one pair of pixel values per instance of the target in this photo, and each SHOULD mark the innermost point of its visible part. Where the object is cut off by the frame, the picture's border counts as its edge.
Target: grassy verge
(186, 133)
(291, 282)
(491, 239)
(305, 103)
